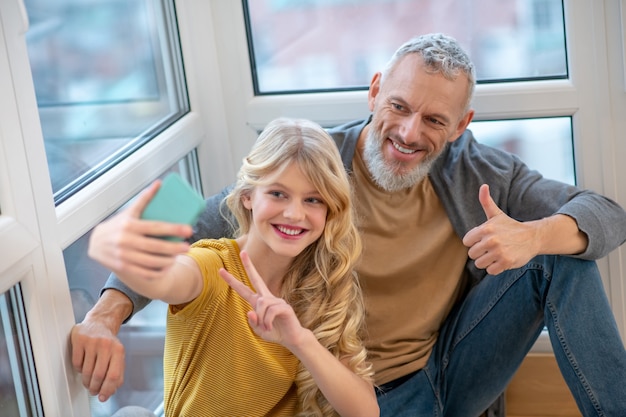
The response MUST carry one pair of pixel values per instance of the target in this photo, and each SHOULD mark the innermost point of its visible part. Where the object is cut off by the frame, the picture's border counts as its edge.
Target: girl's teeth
(291, 232)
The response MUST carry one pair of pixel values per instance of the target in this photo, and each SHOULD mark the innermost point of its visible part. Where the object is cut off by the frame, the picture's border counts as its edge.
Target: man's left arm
(557, 207)
(503, 243)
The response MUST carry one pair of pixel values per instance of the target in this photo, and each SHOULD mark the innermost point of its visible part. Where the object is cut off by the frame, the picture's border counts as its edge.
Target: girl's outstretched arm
(150, 266)
(275, 321)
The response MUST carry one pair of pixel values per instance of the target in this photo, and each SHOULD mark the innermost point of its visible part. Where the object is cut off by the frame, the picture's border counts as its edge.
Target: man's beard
(390, 176)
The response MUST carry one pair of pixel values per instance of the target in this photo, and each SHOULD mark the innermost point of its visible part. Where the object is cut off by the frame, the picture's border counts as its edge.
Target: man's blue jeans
(485, 339)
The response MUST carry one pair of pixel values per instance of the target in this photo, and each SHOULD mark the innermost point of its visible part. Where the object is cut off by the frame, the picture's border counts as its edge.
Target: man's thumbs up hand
(501, 243)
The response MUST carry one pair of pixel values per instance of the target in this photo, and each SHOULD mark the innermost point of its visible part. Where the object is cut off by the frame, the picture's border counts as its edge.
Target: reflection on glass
(299, 45)
(543, 144)
(19, 395)
(143, 335)
(107, 76)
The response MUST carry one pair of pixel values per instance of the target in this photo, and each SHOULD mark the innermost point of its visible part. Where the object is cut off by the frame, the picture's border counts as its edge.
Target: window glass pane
(305, 45)
(543, 144)
(108, 77)
(143, 336)
(19, 394)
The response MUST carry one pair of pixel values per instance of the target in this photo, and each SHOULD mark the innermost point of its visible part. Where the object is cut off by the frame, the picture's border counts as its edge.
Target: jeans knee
(565, 275)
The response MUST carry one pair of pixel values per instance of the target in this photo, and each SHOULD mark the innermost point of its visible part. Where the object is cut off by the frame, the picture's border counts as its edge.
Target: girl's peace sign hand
(271, 317)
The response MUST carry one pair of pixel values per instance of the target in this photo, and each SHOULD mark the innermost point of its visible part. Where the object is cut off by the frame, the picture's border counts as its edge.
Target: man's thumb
(489, 206)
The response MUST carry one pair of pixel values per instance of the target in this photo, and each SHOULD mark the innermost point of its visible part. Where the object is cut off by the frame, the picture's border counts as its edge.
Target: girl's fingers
(241, 288)
(266, 307)
(255, 279)
(144, 198)
(269, 309)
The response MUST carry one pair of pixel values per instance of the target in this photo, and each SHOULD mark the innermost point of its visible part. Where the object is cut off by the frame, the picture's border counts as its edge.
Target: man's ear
(462, 125)
(374, 90)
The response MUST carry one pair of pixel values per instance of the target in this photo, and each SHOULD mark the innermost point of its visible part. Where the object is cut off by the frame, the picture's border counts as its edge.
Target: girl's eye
(275, 194)
(314, 200)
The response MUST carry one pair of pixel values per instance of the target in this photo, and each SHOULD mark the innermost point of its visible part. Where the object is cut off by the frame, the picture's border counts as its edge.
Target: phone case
(175, 202)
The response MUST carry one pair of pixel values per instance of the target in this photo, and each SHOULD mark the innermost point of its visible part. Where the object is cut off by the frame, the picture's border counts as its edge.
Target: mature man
(468, 255)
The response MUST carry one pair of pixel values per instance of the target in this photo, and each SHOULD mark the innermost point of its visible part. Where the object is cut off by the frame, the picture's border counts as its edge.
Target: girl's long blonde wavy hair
(320, 285)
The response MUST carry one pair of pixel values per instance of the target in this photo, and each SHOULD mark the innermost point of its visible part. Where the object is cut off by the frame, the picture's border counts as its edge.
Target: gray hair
(441, 54)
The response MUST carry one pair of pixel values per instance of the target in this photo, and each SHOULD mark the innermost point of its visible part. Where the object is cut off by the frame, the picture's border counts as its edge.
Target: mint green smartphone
(175, 202)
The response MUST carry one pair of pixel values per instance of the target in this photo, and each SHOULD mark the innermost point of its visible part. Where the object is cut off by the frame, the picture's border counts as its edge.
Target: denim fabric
(485, 339)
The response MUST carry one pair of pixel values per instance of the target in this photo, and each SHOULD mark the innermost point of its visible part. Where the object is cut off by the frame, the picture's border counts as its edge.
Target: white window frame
(31, 255)
(593, 96)
(34, 233)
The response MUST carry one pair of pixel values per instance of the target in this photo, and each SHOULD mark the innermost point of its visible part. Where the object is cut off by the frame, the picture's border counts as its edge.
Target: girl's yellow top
(214, 363)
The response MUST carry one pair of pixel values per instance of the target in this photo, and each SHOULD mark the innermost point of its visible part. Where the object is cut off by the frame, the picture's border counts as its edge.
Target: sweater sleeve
(531, 196)
(214, 222)
(524, 194)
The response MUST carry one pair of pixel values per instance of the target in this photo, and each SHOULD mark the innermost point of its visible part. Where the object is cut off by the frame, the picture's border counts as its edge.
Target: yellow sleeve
(210, 263)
